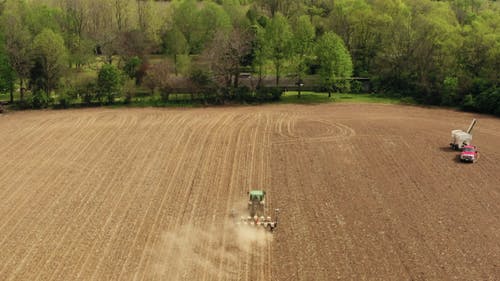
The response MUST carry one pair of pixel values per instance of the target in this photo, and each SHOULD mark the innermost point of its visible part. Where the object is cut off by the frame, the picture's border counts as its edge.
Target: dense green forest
(101, 51)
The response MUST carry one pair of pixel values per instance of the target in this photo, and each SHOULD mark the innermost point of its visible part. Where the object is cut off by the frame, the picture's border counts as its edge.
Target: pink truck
(468, 154)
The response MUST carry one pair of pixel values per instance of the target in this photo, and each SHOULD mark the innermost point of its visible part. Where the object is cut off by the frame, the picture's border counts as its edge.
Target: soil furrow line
(143, 219)
(152, 239)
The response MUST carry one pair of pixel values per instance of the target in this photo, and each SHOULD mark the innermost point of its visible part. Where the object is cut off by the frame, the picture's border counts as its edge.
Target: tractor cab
(256, 195)
(256, 201)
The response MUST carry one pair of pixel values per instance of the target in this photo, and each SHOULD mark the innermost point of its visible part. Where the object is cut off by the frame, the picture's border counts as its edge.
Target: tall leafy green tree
(175, 44)
(80, 50)
(121, 10)
(303, 43)
(74, 24)
(394, 60)
(258, 51)
(273, 7)
(479, 53)
(278, 38)
(18, 41)
(198, 25)
(51, 57)
(109, 82)
(434, 50)
(40, 17)
(360, 27)
(334, 61)
(7, 74)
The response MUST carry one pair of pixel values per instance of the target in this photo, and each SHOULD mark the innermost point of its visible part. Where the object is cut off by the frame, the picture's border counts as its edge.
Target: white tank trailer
(460, 138)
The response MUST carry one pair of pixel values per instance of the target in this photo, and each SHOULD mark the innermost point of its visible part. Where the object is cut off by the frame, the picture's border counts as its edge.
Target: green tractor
(257, 212)
(256, 202)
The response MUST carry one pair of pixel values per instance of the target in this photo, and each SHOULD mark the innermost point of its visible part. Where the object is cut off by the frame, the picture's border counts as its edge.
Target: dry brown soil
(366, 192)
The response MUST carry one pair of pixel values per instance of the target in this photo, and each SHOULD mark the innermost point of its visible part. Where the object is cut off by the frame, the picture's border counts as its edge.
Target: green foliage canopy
(51, 57)
(109, 82)
(335, 64)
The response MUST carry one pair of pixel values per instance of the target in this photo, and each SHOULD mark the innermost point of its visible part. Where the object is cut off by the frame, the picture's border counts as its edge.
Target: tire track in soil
(155, 228)
(263, 160)
(264, 182)
(215, 216)
(189, 179)
(256, 257)
(233, 199)
(153, 238)
(229, 181)
(249, 256)
(215, 235)
(142, 227)
(242, 125)
(191, 182)
(252, 259)
(179, 142)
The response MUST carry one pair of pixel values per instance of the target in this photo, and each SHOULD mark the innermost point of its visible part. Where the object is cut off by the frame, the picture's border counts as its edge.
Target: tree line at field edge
(67, 52)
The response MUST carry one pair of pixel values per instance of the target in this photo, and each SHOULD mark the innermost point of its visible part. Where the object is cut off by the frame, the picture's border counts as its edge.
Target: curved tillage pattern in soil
(295, 129)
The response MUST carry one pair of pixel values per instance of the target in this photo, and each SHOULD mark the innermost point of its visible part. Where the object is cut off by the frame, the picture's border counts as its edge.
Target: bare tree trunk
(236, 80)
(278, 71)
(299, 84)
(259, 83)
(277, 75)
(175, 64)
(21, 89)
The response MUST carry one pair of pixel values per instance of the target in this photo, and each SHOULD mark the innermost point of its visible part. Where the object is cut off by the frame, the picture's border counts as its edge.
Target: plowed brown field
(366, 192)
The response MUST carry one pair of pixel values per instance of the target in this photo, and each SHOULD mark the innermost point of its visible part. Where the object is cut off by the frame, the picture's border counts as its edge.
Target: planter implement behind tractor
(257, 212)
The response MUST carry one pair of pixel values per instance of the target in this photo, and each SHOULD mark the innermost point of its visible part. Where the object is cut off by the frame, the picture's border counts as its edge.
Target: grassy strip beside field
(314, 98)
(290, 97)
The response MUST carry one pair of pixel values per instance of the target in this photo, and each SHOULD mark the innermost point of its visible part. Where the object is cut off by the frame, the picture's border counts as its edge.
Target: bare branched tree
(158, 77)
(17, 43)
(121, 13)
(226, 53)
